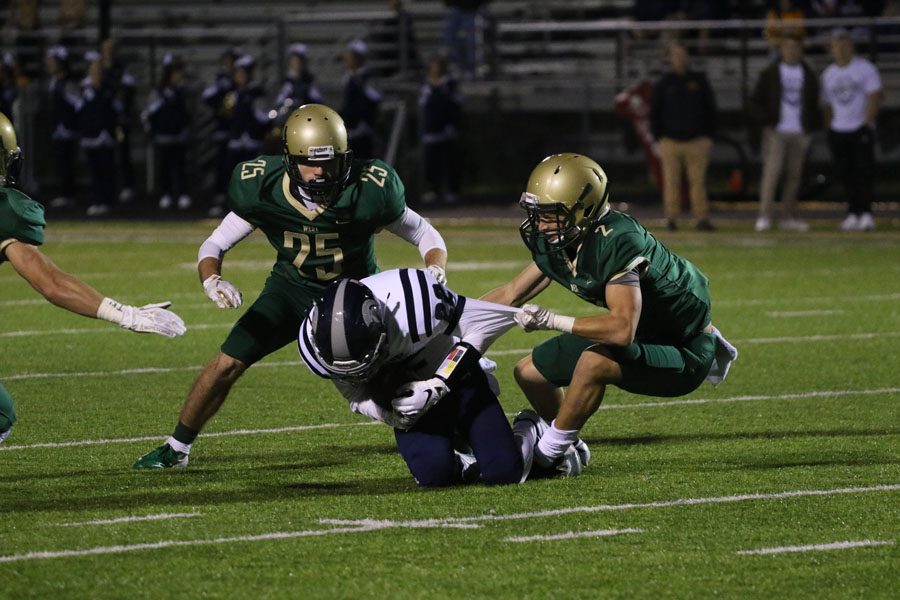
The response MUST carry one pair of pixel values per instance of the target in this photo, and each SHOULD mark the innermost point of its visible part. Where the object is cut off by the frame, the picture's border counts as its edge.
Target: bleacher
(567, 58)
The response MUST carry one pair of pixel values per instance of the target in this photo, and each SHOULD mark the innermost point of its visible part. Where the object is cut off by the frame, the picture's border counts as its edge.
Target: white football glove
(223, 293)
(151, 318)
(534, 318)
(415, 398)
(438, 273)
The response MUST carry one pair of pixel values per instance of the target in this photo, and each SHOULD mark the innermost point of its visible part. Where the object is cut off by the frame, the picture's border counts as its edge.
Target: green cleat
(164, 457)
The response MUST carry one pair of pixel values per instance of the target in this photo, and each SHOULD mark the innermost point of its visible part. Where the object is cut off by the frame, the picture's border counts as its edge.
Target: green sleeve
(243, 189)
(393, 196)
(21, 218)
(625, 252)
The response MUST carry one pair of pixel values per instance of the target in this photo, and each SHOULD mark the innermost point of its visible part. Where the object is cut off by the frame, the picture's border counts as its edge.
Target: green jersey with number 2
(316, 244)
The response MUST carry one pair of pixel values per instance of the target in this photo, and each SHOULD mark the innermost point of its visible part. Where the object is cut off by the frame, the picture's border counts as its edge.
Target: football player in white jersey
(405, 350)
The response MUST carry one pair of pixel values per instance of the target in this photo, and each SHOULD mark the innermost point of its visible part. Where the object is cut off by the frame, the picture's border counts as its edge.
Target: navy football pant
(471, 414)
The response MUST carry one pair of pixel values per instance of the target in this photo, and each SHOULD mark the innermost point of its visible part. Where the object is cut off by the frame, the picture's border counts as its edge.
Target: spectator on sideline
(361, 100)
(784, 21)
(683, 120)
(851, 93)
(9, 89)
(168, 122)
(441, 107)
(460, 33)
(298, 86)
(64, 100)
(98, 118)
(220, 101)
(123, 85)
(249, 120)
(786, 101)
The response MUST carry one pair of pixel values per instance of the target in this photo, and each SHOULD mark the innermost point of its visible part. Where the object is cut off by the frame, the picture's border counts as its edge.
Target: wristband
(563, 323)
(110, 310)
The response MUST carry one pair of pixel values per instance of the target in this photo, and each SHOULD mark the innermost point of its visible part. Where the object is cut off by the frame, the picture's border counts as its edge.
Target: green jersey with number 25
(316, 245)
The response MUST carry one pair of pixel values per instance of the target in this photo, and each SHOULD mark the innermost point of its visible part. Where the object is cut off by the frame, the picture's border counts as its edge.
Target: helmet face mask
(10, 154)
(349, 331)
(314, 136)
(566, 195)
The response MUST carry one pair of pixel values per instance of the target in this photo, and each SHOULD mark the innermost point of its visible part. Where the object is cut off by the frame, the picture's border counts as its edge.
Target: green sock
(185, 434)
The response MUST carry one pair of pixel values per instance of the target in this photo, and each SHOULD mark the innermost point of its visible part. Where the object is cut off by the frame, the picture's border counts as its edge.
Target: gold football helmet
(10, 153)
(566, 194)
(314, 135)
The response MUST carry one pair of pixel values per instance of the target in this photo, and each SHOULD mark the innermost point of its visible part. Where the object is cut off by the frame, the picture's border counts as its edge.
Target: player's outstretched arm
(617, 328)
(522, 288)
(69, 292)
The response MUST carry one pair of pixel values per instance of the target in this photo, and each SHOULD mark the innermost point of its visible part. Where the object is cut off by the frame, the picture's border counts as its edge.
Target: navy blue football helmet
(349, 331)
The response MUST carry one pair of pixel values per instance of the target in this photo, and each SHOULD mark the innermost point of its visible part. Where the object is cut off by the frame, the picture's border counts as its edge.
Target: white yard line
(159, 517)
(571, 535)
(630, 406)
(787, 314)
(620, 507)
(369, 525)
(160, 438)
(818, 547)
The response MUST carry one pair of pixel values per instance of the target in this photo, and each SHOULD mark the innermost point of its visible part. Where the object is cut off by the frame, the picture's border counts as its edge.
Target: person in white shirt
(786, 105)
(851, 93)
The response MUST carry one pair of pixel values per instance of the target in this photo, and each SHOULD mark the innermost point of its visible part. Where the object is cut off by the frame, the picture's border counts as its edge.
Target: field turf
(782, 482)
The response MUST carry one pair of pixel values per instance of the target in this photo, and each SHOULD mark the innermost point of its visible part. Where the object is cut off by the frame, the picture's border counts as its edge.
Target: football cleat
(725, 355)
(4, 434)
(850, 223)
(528, 427)
(567, 465)
(469, 471)
(164, 457)
(584, 452)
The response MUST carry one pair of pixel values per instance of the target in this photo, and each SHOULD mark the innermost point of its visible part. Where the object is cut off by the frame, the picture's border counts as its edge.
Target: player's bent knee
(502, 470)
(526, 372)
(434, 471)
(597, 364)
(228, 367)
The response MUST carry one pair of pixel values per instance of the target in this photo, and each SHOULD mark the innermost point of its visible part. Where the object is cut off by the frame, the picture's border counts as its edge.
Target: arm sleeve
(873, 80)
(230, 231)
(483, 322)
(417, 231)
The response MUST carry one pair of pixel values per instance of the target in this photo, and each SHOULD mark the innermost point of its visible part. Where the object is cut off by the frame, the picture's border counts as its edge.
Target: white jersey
(847, 89)
(424, 321)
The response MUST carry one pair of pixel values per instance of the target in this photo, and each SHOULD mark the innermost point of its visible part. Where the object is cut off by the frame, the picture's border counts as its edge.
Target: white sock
(553, 444)
(178, 446)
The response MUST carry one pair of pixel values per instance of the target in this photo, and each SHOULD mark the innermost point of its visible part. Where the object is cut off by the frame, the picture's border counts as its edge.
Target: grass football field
(782, 482)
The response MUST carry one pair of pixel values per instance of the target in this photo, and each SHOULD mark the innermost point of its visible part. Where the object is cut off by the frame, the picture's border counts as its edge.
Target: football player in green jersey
(656, 339)
(320, 209)
(21, 232)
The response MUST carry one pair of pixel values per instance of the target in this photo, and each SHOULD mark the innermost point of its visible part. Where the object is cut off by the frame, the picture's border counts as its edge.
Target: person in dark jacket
(168, 122)
(124, 86)
(99, 116)
(460, 33)
(441, 107)
(786, 106)
(220, 101)
(64, 101)
(683, 121)
(250, 118)
(361, 100)
(298, 86)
